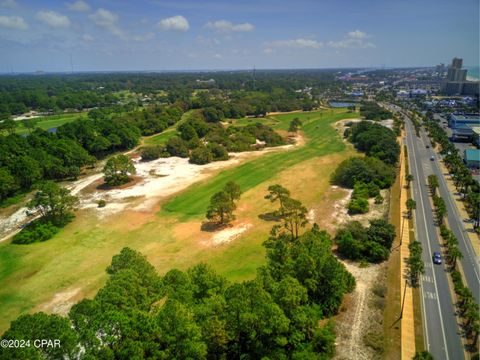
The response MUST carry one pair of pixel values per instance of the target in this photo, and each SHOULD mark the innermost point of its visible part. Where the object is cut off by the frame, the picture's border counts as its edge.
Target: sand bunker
(230, 234)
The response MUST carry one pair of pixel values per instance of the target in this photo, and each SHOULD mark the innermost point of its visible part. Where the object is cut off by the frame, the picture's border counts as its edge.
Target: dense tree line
(206, 141)
(55, 92)
(367, 170)
(41, 155)
(366, 176)
(372, 111)
(376, 141)
(198, 314)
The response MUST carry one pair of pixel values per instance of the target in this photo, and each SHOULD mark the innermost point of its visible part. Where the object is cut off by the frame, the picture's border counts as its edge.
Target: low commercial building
(476, 135)
(461, 124)
(472, 158)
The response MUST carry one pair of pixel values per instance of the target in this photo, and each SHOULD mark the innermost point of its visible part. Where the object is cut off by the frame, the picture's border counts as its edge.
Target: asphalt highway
(442, 336)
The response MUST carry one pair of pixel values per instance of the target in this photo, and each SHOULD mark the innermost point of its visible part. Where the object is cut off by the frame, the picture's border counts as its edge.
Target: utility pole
(403, 301)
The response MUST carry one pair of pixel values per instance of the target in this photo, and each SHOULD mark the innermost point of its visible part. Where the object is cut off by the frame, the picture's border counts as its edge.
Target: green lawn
(52, 121)
(162, 138)
(322, 140)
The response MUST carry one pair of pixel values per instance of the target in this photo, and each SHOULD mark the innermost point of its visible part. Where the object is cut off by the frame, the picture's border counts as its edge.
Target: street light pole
(403, 301)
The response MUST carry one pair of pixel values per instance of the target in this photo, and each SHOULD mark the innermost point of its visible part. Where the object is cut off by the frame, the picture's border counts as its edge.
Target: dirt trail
(354, 323)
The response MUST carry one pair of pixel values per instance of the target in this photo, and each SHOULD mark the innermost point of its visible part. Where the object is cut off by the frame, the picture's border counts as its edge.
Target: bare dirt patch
(62, 302)
(356, 321)
(230, 234)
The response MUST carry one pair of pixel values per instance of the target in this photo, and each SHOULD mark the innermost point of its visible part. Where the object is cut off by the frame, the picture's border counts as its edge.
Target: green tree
(278, 192)
(423, 355)
(414, 262)
(411, 205)
(117, 170)
(8, 184)
(55, 203)
(222, 204)
(221, 208)
(409, 178)
(41, 326)
(177, 147)
(233, 190)
(201, 155)
(294, 217)
(433, 183)
(8, 125)
(294, 125)
(180, 335)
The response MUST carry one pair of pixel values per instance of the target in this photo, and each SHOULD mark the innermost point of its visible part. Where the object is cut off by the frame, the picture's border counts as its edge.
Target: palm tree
(411, 205)
(409, 179)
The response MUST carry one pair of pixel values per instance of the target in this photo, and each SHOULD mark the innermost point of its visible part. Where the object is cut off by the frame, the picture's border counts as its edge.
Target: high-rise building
(455, 71)
(456, 82)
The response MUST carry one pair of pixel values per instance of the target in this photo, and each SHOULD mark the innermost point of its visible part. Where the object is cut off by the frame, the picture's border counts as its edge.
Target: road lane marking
(429, 248)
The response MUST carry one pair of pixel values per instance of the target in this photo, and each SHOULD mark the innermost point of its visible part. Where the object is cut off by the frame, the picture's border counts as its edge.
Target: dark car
(432, 158)
(428, 146)
(437, 258)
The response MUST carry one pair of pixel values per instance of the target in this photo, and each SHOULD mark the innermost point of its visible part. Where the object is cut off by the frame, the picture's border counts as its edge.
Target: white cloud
(8, 4)
(107, 20)
(354, 40)
(80, 6)
(294, 43)
(177, 23)
(227, 26)
(13, 22)
(217, 56)
(53, 19)
(357, 34)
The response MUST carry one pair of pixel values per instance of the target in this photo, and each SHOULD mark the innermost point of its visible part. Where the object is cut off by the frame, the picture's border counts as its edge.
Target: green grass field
(322, 140)
(162, 138)
(76, 258)
(52, 121)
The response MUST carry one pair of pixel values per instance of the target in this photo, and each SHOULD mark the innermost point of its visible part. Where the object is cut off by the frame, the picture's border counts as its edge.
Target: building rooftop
(472, 155)
(466, 117)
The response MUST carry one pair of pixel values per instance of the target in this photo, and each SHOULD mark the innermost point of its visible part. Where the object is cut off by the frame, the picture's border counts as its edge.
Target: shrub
(177, 147)
(366, 170)
(37, 230)
(201, 155)
(359, 243)
(379, 199)
(101, 203)
(152, 153)
(218, 152)
(358, 206)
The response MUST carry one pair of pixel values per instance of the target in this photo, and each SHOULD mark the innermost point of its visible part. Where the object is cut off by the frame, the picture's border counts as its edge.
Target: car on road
(432, 158)
(428, 146)
(437, 258)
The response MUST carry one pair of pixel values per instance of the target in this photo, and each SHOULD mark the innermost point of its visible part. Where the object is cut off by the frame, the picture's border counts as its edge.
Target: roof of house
(472, 155)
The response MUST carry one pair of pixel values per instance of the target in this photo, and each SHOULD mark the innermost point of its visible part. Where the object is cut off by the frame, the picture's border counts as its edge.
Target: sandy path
(356, 320)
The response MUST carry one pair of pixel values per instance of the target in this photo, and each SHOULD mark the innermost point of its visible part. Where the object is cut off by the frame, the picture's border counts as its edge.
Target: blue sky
(103, 35)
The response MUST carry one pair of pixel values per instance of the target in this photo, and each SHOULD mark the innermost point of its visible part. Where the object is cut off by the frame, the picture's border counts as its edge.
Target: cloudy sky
(104, 35)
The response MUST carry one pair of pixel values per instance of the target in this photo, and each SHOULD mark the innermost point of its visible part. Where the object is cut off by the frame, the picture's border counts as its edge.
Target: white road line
(429, 249)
